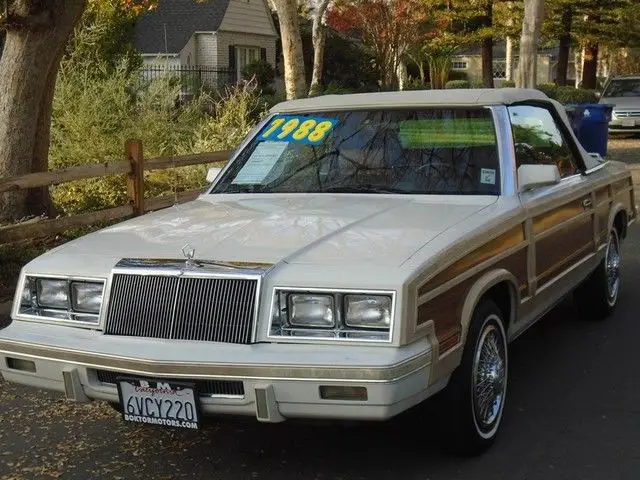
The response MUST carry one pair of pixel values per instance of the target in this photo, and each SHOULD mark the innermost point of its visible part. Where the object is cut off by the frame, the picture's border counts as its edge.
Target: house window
(245, 56)
(499, 69)
(459, 65)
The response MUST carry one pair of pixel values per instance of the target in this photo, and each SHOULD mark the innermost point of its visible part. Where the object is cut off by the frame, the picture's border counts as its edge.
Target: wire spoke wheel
(612, 267)
(489, 379)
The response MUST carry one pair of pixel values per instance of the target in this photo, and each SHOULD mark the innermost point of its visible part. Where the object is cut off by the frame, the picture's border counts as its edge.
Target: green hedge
(508, 84)
(457, 75)
(568, 94)
(575, 95)
(457, 84)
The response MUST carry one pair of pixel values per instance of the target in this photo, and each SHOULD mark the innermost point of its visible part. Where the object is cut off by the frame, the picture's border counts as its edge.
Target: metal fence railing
(192, 78)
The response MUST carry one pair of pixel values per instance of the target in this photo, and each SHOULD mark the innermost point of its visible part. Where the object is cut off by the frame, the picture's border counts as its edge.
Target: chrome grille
(627, 114)
(208, 309)
(205, 388)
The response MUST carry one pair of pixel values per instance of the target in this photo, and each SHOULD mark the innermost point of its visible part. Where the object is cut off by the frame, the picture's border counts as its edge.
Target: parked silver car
(624, 94)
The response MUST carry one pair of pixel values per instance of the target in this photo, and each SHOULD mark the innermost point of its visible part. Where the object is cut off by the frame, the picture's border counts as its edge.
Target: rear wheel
(475, 397)
(597, 297)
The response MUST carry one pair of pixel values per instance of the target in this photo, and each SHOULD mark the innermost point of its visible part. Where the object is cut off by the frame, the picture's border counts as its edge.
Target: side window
(539, 140)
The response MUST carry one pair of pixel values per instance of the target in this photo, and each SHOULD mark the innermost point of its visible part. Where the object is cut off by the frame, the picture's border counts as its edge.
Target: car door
(560, 217)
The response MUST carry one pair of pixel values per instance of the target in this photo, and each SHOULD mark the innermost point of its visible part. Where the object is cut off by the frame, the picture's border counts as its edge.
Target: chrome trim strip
(137, 366)
(330, 340)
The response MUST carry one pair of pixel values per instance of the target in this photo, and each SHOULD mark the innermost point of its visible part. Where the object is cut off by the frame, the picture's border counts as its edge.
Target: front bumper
(623, 125)
(282, 380)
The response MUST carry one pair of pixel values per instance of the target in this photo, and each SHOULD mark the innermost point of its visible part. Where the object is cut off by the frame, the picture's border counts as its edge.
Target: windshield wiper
(362, 189)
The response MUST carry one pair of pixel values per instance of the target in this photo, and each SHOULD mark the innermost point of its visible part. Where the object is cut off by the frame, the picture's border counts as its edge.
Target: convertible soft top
(475, 96)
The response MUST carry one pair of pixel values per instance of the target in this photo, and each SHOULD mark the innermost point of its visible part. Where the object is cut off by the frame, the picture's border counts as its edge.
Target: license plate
(157, 402)
(628, 122)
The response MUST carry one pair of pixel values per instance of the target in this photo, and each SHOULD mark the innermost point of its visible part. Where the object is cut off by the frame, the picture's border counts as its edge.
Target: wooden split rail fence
(134, 167)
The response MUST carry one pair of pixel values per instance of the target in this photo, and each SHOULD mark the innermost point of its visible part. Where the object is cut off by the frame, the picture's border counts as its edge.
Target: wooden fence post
(135, 180)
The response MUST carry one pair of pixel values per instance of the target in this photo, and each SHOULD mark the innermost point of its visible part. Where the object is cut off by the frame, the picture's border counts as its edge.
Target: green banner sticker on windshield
(447, 132)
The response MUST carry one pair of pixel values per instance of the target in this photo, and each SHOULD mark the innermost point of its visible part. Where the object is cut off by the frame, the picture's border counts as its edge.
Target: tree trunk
(402, 75)
(319, 38)
(35, 36)
(531, 23)
(578, 60)
(565, 45)
(38, 199)
(487, 50)
(509, 59)
(590, 67)
(294, 76)
(319, 35)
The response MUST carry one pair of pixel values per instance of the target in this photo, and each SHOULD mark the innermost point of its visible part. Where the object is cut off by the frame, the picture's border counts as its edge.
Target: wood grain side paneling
(602, 217)
(446, 309)
(602, 195)
(562, 249)
(557, 216)
(500, 244)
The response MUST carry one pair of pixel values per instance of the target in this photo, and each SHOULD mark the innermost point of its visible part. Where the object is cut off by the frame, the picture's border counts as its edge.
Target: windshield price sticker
(298, 129)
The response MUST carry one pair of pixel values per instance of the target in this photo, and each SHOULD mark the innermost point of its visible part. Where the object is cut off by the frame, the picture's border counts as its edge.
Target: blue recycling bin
(590, 122)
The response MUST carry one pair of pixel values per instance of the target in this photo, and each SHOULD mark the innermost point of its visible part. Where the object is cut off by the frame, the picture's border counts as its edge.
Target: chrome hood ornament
(189, 253)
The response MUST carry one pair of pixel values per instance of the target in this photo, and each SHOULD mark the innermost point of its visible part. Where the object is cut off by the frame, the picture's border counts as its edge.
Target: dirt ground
(624, 148)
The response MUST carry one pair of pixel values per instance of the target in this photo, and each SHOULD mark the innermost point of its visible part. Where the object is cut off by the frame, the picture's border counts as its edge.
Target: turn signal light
(337, 392)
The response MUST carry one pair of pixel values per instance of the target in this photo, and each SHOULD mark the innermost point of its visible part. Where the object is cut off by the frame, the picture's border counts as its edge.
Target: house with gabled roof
(217, 34)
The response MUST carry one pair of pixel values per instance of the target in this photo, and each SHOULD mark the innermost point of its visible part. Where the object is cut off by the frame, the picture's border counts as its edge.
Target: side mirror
(535, 176)
(212, 174)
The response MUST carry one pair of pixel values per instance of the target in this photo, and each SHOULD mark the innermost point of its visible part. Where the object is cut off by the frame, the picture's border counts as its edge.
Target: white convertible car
(357, 255)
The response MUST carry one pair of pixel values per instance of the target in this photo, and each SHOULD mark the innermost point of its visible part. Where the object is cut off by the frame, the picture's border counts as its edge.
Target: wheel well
(502, 296)
(620, 223)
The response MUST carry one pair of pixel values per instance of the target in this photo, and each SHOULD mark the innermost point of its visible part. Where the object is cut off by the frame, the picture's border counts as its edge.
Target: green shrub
(416, 84)
(567, 95)
(334, 88)
(457, 84)
(549, 89)
(458, 75)
(263, 73)
(508, 84)
(93, 117)
(477, 84)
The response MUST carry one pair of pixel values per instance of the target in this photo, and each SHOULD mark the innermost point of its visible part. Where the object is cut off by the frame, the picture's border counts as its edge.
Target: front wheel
(475, 397)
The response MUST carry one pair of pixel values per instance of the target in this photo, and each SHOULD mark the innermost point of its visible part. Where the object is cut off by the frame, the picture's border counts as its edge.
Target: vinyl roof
(476, 96)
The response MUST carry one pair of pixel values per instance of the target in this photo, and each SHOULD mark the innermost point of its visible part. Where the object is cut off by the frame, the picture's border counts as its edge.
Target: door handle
(587, 203)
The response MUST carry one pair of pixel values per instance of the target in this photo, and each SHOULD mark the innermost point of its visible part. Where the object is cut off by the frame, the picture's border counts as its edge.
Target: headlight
(53, 293)
(311, 310)
(332, 315)
(86, 297)
(368, 311)
(61, 299)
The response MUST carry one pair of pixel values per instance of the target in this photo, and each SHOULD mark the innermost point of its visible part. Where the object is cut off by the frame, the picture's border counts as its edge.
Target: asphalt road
(573, 413)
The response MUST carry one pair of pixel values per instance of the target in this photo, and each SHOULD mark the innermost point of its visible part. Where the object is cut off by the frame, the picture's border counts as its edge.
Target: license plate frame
(140, 396)
(628, 122)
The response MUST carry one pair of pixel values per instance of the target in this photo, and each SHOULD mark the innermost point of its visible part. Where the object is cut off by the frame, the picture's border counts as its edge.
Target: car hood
(303, 229)
(622, 102)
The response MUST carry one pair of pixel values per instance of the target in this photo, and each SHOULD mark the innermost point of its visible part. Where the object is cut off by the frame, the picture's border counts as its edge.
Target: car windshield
(629, 87)
(405, 151)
